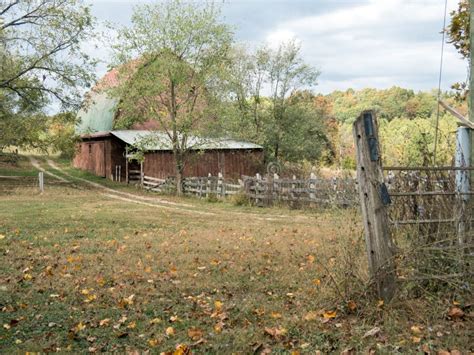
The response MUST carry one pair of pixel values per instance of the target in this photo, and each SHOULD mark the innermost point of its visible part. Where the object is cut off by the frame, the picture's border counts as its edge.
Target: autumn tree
(169, 60)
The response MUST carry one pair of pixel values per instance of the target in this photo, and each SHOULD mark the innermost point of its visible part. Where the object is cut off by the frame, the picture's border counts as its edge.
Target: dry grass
(82, 272)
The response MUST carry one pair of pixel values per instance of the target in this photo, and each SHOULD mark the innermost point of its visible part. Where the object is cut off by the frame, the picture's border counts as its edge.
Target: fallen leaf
(259, 311)
(218, 328)
(310, 316)
(170, 331)
(416, 340)
(276, 332)
(132, 325)
(416, 329)
(310, 259)
(329, 314)
(182, 349)
(154, 342)
(155, 321)
(104, 322)
(455, 313)
(218, 305)
(275, 315)
(352, 305)
(195, 333)
(317, 282)
(79, 326)
(372, 332)
(2, 236)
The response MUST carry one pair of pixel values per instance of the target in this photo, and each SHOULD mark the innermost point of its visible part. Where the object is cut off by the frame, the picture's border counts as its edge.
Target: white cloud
(380, 43)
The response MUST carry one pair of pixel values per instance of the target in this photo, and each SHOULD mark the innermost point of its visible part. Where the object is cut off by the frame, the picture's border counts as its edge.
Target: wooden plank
(380, 248)
(426, 168)
(149, 178)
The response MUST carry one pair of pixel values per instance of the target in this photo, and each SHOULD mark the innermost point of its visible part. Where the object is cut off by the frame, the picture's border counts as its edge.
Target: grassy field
(82, 271)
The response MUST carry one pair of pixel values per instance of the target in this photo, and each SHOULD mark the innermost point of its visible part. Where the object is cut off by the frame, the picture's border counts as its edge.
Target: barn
(106, 154)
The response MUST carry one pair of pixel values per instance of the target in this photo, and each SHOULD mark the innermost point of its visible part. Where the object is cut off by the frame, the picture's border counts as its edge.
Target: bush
(212, 197)
(240, 199)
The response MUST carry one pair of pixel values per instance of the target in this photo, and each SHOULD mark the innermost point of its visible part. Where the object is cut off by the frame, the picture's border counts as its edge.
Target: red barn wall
(231, 163)
(100, 156)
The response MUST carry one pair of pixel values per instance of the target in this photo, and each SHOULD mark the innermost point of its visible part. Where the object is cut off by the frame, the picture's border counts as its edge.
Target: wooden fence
(418, 221)
(311, 192)
(8, 183)
(264, 190)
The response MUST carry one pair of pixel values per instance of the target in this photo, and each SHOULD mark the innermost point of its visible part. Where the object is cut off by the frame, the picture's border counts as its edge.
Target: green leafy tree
(287, 73)
(458, 34)
(37, 41)
(170, 61)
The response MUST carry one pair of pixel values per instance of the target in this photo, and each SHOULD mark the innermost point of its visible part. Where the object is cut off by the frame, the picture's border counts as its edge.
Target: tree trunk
(179, 182)
(179, 169)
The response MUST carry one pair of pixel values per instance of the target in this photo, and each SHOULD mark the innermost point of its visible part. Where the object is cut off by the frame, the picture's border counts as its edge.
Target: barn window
(90, 148)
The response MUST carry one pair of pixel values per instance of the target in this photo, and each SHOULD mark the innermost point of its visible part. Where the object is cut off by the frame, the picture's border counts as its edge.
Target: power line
(439, 81)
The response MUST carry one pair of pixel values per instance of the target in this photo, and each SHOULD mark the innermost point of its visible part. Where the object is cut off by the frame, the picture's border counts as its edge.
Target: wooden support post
(142, 174)
(257, 187)
(275, 192)
(127, 180)
(312, 187)
(374, 198)
(41, 181)
(220, 185)
(208, 186)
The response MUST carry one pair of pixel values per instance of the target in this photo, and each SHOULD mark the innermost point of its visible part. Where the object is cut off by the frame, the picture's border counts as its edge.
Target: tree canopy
(169, 62)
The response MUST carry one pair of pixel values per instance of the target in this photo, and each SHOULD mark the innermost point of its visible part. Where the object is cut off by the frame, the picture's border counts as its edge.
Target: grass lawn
(83, 272)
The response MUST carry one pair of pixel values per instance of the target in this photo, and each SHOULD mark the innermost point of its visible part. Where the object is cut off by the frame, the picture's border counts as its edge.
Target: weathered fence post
(374, 198)
(275, 191)
(257, 187)
(312, 187)
(293, 188)
(462, 160)
(142, 174)
(41, 181)
(220, 185)
(208, 186)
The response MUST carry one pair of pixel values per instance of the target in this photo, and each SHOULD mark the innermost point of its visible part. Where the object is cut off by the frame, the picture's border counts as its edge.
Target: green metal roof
(97, 115)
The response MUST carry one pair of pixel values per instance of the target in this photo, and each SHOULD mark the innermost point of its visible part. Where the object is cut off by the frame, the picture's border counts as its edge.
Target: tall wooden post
(374, 199)
(471, 80)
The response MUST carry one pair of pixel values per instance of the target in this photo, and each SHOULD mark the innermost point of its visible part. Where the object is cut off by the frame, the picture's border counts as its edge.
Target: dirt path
(37, 165)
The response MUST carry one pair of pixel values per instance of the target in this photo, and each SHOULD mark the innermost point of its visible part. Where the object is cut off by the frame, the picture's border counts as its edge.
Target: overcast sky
(354, 43)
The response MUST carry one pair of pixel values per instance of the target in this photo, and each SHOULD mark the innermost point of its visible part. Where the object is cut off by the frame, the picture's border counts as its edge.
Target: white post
(312, 186)
(275, 193)
(208, 185)
(41, 181)
(293, 188)
(220, 185)
(257, 187)
(462, 160)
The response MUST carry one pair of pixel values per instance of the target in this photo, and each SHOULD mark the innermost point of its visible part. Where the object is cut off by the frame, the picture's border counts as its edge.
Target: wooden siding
(231, 163)
(90, 156)
(100, 156)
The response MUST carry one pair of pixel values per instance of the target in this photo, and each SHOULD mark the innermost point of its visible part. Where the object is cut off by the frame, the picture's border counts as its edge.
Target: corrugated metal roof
(157, 140)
